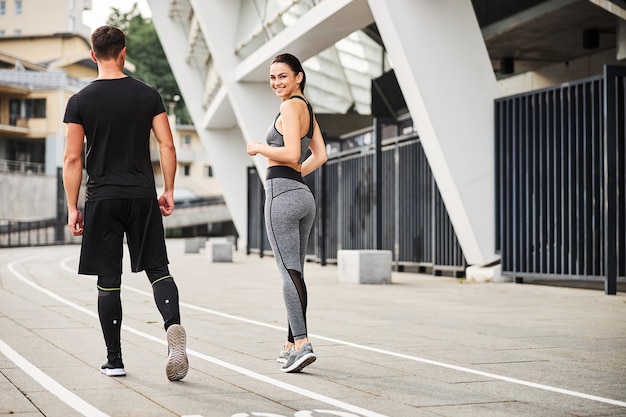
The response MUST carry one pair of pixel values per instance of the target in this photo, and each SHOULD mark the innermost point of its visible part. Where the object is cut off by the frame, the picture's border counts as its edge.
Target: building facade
(33, 17)
(44, 59)
(452, 59)
(32, 139)
(194, 175)
(44, 56)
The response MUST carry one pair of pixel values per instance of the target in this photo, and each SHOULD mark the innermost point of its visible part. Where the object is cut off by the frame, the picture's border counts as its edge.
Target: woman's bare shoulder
(293, 105)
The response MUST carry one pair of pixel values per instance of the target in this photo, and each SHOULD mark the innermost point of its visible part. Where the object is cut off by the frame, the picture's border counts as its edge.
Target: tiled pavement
(422, 346)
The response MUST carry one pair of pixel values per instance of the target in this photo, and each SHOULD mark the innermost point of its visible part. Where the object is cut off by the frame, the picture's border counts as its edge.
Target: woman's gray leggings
(289, 216)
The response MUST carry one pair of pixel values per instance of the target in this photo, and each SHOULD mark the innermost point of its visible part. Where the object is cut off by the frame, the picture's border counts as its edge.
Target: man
(116, 113)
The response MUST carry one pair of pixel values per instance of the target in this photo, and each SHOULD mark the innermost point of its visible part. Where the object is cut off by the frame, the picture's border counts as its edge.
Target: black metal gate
(560, 173)
(407, 217)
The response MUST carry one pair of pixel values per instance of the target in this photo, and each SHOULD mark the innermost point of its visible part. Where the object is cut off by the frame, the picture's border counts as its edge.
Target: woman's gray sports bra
(274, 138)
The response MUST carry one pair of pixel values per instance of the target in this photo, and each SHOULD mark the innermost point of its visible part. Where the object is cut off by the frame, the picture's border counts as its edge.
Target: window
(30, 108)
(71, 25)
(18, 7)
(15, 108)
(1, 32)
(186, 170)
(208, 171)
(3, 8)
(185, 142)
(35, 108)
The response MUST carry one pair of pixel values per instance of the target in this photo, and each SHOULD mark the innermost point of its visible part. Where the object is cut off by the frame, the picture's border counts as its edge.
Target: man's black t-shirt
(117, 118)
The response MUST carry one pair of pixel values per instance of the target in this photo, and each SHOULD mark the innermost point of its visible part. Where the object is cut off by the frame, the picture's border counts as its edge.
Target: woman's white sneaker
(299, 359)
(284, 355)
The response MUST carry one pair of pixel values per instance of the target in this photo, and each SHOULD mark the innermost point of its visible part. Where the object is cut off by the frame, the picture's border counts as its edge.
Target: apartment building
(195, 178)
(31, 114)
(44, 59)
(37, 17)
(32, 138)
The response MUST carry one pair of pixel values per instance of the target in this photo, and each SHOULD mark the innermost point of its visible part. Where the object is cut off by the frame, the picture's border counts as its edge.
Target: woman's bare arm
(318, 153)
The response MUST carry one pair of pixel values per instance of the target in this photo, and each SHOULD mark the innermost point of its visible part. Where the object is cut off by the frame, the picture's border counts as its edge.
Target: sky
(101, 9)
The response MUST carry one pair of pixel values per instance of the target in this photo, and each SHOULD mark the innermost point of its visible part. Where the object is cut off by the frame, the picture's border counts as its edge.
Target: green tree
(144, 51)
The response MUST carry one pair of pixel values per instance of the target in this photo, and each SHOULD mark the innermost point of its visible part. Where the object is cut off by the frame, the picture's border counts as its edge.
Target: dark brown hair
(107, 42)
(293, 63)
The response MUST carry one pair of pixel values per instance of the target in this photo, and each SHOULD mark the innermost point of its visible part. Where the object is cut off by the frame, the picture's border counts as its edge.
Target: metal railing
(560, 173)
(396, 207)
(22, 167)
(257, 236)
(16, 233)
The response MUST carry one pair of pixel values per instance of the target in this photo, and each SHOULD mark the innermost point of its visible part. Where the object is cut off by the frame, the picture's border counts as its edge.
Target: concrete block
(364, 266)
(477, 273)
(194, 244)
(219, 250)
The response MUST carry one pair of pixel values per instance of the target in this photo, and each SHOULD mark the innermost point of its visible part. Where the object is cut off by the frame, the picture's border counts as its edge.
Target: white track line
(288, 387)
(395, 354)
(423, 360)
(50, 384)
(300, 390)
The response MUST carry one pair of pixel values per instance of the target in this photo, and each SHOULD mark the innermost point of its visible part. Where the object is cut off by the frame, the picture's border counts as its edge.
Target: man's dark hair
(107, 42)
(293, 63)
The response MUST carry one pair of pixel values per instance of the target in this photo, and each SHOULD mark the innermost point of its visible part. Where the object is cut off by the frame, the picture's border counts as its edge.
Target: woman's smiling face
(283, 80)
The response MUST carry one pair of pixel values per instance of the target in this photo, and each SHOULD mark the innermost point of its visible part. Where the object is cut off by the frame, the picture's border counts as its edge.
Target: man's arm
(73, 175)
(167, 152)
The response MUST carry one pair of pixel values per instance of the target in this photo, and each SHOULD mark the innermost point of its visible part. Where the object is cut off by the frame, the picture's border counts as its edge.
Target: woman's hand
(253, 148)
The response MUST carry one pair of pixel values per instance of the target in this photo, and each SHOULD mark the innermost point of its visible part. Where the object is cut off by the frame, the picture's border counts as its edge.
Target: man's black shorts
(106, 222)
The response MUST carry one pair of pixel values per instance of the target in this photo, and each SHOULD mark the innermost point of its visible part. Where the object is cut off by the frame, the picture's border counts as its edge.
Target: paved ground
(423, 346)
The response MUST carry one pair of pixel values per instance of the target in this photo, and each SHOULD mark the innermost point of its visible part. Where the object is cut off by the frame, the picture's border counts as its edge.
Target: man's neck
(110, 75)
(110, 70)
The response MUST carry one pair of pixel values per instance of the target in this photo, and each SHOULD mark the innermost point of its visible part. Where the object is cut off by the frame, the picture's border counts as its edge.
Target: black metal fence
(32, 233)
(257, 236)
(560, 173)
(378, 196)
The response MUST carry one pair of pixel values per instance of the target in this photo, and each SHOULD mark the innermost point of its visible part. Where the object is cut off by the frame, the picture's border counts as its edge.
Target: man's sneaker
(177, 363)
(284, 355)
(299, 359)
(113, 367)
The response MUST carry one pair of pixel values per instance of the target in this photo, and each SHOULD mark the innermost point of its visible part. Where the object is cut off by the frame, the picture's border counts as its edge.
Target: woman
(289, 203)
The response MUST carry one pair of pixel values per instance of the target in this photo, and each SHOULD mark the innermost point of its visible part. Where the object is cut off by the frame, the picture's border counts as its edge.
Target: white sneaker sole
(113, 372)
(177, 362)
(283, 356)
(301, 363)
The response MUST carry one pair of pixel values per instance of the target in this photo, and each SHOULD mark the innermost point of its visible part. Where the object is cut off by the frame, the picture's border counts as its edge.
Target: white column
(438, 53)
(443, 68)
(223, 142)
(245, 106)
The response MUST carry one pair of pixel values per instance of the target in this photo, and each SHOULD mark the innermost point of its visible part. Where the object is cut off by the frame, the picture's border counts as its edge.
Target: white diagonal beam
(444, 71)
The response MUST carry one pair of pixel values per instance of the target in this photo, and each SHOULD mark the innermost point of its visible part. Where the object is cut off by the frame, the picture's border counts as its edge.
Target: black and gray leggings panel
(289, 216)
